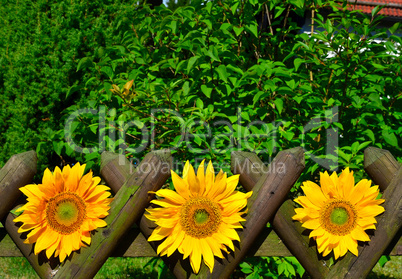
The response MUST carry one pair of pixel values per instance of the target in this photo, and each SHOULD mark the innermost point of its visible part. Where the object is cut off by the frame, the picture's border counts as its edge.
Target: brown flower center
(200, 217)
(65, 212)
(338, 217)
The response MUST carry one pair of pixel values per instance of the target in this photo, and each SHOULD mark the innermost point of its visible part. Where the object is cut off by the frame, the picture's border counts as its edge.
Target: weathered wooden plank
(251, 169)
(115, 169)
(16, 173)
(380, 165)
(389, 222)
(127, 207)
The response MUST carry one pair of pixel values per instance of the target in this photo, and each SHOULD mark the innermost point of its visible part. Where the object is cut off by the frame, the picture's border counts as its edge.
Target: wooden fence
(128, 229)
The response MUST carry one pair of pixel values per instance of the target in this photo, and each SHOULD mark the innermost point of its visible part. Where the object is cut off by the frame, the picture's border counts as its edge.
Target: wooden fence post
(16, 173)
(251, 168)
(115, 175)
(378, 164)
(127, 207)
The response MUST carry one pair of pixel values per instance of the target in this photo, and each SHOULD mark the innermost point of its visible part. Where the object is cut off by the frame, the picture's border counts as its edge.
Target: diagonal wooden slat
(17, 172)
(251, 169)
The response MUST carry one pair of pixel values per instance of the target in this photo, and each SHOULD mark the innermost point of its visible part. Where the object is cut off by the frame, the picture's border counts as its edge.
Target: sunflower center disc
(200, 217)
(339, 216)
(65, 212)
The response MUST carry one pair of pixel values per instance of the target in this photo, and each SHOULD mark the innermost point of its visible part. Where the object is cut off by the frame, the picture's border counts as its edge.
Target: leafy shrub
(210, 80)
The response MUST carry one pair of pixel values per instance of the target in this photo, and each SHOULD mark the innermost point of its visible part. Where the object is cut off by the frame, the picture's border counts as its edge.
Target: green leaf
(58, 146)
(279, 104)
(85, 62)
(199, 103)
(390, 138)
(234, 7)
(223, 75)
(383, 260)
(191, 63)
(108, 71)
(207, 91)
(297, 63)
(369, 134)
(72, 90)
(238, 30)
(297, 3)
(253, 28)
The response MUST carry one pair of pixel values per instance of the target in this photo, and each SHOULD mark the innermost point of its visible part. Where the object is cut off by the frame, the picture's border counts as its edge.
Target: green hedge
(41, 43)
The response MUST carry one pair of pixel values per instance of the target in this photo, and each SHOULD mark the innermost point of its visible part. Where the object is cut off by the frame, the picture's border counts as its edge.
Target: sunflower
(338, 212)
(200, 218)
(63, 210)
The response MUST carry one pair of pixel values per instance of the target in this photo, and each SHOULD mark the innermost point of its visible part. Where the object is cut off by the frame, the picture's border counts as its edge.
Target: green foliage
(272, 267)
(41, 43)
(209, 80)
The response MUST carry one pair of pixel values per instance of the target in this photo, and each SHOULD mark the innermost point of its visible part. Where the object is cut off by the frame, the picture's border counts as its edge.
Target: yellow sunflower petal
(312, 224)
(188, 246)
(192, 181)
(313, 193)
(306, 203)
(230, 233)
(359, 190)
(231, 183)
(50, 250)
(370, 211)
(327, 185)
(180, 185)
(207, 254)
(322, 242)
(86, 237)
(201, 177)
(359, 234)
(317, 232)
(186, 169)
(195, 256)
(176, 243)
(45, 240)
(209, 177)
(215, 247)
(160, 233)
(351, 244)
(171, 196)
(346, 184)
(218, 187)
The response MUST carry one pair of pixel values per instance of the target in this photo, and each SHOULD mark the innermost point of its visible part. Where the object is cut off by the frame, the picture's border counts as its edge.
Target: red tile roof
(393, 8)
